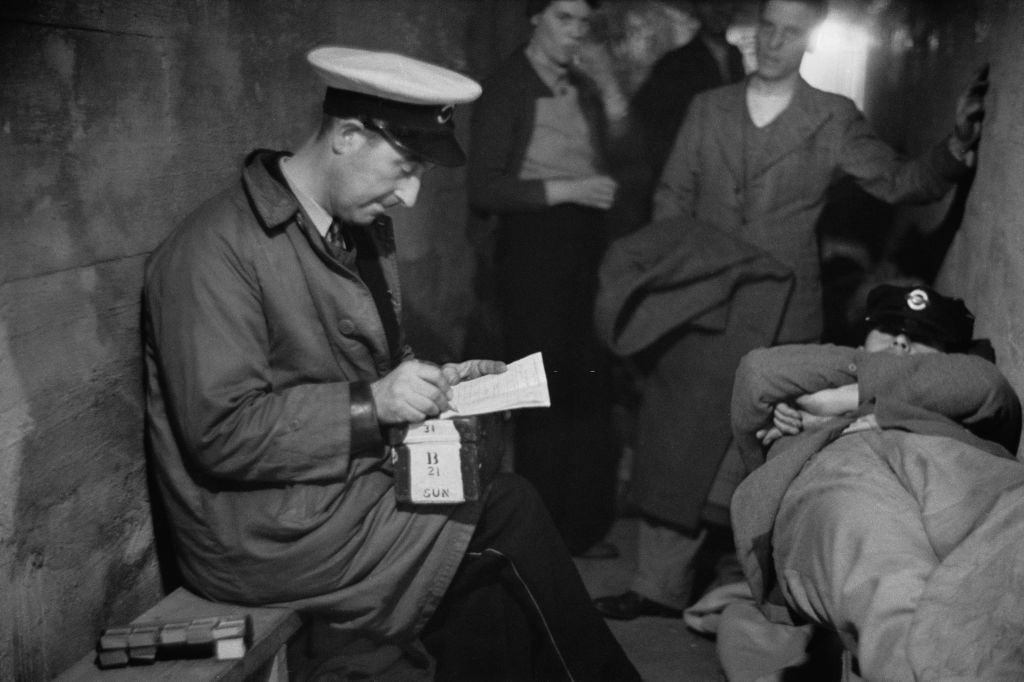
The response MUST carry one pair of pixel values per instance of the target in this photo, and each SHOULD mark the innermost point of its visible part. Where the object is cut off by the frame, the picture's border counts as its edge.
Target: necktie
(337, 241)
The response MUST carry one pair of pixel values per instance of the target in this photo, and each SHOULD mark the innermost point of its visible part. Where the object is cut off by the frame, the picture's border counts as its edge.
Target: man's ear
(348, 135)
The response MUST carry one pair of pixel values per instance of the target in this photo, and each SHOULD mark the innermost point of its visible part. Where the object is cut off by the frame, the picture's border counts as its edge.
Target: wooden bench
(265, 661)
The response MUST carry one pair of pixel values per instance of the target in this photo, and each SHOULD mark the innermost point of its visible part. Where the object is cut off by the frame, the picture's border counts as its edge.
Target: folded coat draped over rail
(686, 299)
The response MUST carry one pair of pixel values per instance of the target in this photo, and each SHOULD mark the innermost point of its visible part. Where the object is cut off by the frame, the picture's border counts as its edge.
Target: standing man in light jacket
(276, 359)
(753, 159)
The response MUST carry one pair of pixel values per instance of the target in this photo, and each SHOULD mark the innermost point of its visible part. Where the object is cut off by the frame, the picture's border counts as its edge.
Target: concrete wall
(986, 262)
(928, 51)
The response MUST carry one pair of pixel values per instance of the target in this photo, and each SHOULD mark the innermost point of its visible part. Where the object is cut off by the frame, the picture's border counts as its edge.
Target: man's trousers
(517, 608)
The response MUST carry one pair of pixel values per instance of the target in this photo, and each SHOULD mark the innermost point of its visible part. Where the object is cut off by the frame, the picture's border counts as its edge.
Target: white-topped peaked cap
(408, 101)
(393, 76)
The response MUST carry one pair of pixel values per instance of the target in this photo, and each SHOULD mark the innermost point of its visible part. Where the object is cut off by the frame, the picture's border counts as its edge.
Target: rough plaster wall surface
(928, 53)
(75, 536)
(986, 262)
(116, 119)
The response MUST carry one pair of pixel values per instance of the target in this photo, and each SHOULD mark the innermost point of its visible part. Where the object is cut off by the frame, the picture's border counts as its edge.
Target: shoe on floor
(630, 605)
(599, 550)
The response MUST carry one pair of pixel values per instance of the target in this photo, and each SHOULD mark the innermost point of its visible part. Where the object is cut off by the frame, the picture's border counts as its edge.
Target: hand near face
(410, 393)
(970, 110)
(594, 60)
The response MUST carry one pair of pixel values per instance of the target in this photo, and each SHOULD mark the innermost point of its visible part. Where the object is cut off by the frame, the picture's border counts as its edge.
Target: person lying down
(885, 502)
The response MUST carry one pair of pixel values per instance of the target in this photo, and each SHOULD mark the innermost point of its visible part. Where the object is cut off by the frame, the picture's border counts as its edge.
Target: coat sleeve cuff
(364, 429)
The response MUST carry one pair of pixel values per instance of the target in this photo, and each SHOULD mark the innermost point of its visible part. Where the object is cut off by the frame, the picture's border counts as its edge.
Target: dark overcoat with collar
(771, 203)
(660, 103)
(255, 342)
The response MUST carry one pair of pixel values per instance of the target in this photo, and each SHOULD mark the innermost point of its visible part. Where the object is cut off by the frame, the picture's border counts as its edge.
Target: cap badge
(917, 300)
(445, 114)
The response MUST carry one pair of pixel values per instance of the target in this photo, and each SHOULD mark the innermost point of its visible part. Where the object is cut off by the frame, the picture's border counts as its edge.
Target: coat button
(346, 327)
(852, 367)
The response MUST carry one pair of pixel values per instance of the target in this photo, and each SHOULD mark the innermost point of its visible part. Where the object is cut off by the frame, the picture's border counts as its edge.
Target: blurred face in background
(715, 15)
(559, 30)
(783, 35)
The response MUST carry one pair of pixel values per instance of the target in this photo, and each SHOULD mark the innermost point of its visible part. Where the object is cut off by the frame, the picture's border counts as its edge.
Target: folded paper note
(522, 384)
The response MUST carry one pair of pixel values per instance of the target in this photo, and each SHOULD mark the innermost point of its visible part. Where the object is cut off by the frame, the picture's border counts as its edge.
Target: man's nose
(408, 189)
(774, 39)
(901, 343)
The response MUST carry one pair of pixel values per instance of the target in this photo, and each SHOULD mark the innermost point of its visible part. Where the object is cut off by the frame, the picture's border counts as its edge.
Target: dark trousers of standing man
(517, 608)
(546, 266)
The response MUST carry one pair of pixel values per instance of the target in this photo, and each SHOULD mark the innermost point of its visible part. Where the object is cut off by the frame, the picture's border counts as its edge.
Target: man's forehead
(392, 153)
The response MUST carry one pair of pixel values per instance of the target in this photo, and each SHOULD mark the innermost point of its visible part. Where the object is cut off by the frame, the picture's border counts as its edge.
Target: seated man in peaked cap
(886, 505)
(275, 357)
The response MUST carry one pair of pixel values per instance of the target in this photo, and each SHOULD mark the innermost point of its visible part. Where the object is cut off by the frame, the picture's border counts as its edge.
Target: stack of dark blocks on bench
(222, 637)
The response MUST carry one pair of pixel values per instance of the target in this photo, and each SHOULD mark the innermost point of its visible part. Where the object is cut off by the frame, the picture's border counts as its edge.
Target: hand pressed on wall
(970, 112)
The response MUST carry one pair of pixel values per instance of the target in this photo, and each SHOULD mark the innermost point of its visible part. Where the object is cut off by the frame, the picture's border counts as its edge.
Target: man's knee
(513, 491)
(513, 512)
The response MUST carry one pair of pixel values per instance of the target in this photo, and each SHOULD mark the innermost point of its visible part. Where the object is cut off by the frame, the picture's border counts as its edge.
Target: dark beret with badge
(923, 314)
(407, 101)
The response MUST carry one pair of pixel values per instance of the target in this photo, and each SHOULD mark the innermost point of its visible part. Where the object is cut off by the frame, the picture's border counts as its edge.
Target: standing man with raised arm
(276, 360)
(754, 160)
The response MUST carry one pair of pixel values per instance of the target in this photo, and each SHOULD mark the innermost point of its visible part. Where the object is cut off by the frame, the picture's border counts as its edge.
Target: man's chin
(775, 70)
(365, 217)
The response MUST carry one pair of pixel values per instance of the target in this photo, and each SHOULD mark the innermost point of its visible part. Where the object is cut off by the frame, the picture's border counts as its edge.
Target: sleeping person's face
(896, 343)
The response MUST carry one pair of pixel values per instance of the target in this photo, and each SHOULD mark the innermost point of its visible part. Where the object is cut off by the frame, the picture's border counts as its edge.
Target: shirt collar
(321, 218)
(554, 76)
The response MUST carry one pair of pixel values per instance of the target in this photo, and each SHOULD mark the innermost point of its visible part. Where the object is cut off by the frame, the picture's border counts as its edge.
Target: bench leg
(274, 670)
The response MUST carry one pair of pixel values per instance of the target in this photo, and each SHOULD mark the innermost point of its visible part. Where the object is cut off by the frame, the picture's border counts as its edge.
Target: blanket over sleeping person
(809, 523)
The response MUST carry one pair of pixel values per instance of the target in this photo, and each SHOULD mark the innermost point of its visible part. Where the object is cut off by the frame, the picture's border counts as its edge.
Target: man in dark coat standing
(276, 362)
(706, 61)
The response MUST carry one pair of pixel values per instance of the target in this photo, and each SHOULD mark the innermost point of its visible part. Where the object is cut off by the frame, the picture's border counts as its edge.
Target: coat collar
(799, 121)
(529, 81)
(278, 211)
(267, 190)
